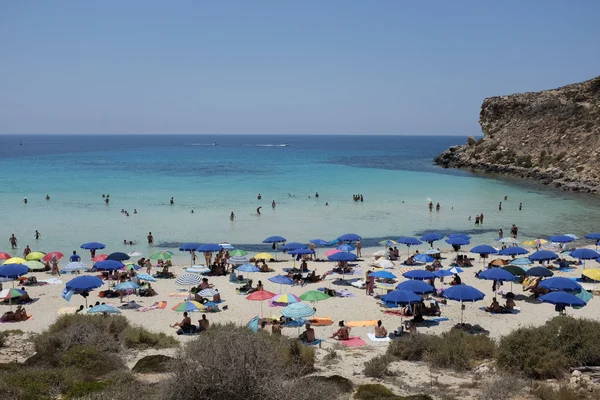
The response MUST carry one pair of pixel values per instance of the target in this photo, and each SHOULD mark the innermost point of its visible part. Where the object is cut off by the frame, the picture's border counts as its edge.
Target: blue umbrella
(459, 235)
(457, 241)
(85, 282)
(103, 308)
(118, 256)
(383, 274)
(76, 266)
(559, 283)
(282, 280)
(319, 242)
(13, 270)
(562, 299)
(293, 246)
(593, 236)
(419, 274)
(253, 324)
(402, 297)
(146, 277)
(543, 255)
(443, 273)
(409, 241)
(425, 258)
(497, 274)
(483, 249)
(348, 247)
(301, 252)
(349, 237)
(108, 265)
(209, 247)
(93, 246)
(298, 310)
(513, 251)
(521, 261)
(463, 293)
(190, 246)
(342, 256)
(584, 254)
(560, 239)
(539, 271)
(274, 239)
(431, 237)
(127, 286)
(248, 268)
(418, 287)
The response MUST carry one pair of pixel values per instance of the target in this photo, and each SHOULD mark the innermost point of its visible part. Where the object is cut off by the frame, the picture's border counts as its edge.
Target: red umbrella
(260, 295)
(49, 256)
(100, 257)
(4, 256)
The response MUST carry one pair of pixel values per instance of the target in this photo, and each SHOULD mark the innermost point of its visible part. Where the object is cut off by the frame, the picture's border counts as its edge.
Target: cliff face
(551, 136)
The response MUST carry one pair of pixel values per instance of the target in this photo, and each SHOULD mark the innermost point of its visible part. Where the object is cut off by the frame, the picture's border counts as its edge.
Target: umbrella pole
(462, 310)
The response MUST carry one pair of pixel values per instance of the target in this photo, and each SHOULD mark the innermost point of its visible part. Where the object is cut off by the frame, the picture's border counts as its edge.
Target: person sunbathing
(510, 304)
(204, 284)
(20, 314)
(436, 263)
(308, 336)
(149, 291)
(494, 307)
(185, 326)
(467, 262)
(456, 280)
(247, 287)
(276, 328)
(410, 260)
(343, 333)
(433, 310)
(264, 267)
(203, 323)
(380, 331)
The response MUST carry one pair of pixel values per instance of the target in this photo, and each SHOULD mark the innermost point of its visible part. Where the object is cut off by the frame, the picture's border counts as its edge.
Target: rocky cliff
(551, 136)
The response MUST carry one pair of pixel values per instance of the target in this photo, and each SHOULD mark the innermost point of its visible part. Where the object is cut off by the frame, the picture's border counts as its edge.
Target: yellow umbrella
(592, 273)
(535, 242)
(34, 256)
(263, 256)
(15, 260)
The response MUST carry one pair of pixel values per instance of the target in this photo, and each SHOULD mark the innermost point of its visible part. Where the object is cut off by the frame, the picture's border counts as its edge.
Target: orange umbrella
(100, 257)
(260, 295)
(4, 256)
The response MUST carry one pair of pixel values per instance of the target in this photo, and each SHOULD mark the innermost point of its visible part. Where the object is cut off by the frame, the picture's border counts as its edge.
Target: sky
(282, 67)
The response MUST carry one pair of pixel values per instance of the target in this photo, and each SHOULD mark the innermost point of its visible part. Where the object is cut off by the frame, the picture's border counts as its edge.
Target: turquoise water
(394, 174)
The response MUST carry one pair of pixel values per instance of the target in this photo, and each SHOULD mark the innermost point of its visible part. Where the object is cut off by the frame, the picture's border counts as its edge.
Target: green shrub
(3, 337)
(140, 338)
(374, 392)
(411, 347)
(563, 392)
(377, 367)
(81, 389)
(343, 385)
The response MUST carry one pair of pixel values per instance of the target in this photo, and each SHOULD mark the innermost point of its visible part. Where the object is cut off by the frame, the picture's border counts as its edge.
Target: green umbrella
(163, 255)
(238, 253)
(314, 295)
(515, 270)
(35, 265)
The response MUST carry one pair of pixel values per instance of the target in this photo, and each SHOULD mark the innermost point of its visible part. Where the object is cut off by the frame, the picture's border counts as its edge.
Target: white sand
(361, 307)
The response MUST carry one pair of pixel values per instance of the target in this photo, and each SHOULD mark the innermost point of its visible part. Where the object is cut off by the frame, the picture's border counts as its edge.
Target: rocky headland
(552, 137)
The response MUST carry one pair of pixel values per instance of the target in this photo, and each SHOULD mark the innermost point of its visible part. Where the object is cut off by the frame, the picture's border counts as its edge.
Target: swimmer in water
(317, 195)
(25, 200)
(192, 211)
(106, 200)
(258, 210)
(232, 216)
(273, 204)
(259, 196)
(135, 210)
(172, 201)
(47, 197)
(326, 203)
(37, 235)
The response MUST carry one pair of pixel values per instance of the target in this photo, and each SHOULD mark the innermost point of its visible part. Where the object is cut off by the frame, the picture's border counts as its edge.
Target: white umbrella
(383, 263)
(509, 240)
(240, 260)
(76, 266)
(208, 292)
(432, 251)
(188, 280)
(226, 246)
(198, 269)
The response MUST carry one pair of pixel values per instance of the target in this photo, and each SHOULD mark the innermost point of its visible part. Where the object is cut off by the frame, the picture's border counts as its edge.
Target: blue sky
(347, 67)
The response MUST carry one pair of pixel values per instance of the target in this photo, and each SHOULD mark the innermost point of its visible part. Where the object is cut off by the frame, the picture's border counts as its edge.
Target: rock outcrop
(551, 136)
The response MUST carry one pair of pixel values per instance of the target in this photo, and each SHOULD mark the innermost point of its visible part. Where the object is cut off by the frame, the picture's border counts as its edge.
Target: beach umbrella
(118, 256)
(161, 255)
(560, 283)
(342, 256)
(36, 256)
(498, 262)
(286, 298)
(131, 267)
(76, 266)
(8, 294)
(497, 274)
(301, 251)
(456, 270)
(383, 263)
(248, 268)
(146, 277)
(332, 251)
(483, 249)
(275, 239)
(509, 240)
(293, 246)
(521, 261)
(463, 293)
(238, 253)
(563, 299)
(388, 242)
(592, 273)
(188, 306)
(189, 246)
(584, 254)
(346, 247)
(134, 254)
(35, 265)
(298, 310)
(543, 255)
(593, 236)
(432, 252)
(313, 296)
(515, 270)
(260, 295)
(561, 239)
(188, 280)
(99, 257)
(13, 271)
(441, 273)
(238, 260)
(432, 237)
(15, 260)
(127, 286)
(424, 258)
(253, 324)
(226, 246)
(419, 274)
(198, 269)
(4, 256)
(209, 247)
(318, 242)
(513, 251)
(349, 237)
(457, 241)
(93, 246)
(281, 280)
(209, 292)
(409, 241)
(402, 297)
(263, 256)
(383, 275)
(52, 254)
(104, 309)
(415, 286)
(108, 265)
(84, 283)
(540, 272)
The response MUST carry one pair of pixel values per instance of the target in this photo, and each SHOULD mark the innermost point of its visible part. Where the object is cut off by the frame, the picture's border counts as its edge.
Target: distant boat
(21, 143)
(285, 145)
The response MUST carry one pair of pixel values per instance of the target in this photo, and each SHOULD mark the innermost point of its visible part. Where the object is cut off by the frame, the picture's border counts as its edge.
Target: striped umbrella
(188, 306)
(238, 253)
(210, 292)
(76, 266)
(188, 280)
(146, 277)
(198, 269)
(286, 298)
(9, 294)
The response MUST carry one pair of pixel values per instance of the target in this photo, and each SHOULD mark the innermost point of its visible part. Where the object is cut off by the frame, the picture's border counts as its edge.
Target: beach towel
(439, 319)
(316, 342)
(353, 342)
(371, 322)
(52, 281)
(376, 339)
(515, 310)
(178, 294)
(159, 305)
(322, 321)
(396, 313)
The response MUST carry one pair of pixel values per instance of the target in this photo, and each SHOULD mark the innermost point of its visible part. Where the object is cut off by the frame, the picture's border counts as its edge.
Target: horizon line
(241, 134)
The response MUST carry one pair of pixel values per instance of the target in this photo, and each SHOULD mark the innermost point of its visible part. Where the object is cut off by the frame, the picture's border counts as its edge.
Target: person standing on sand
(150, 238)
(13, 241)
(232, 216)
(358, 252)
(37, 235)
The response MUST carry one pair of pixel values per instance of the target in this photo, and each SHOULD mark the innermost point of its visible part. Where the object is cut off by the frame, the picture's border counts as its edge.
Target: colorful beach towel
(178, 294)
(322, 321)
(159, 305)
(376, 339)
(353, 342)
(371, 322)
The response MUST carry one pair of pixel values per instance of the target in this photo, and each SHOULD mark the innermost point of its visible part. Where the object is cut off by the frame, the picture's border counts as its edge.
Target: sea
(215, 175)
